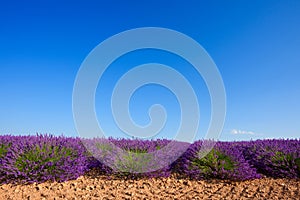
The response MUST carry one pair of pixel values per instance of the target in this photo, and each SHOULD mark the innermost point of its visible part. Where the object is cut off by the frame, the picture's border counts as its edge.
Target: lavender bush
(274, 158)
(41, 158)
(5, 143)
(127, 158)
(224, 161)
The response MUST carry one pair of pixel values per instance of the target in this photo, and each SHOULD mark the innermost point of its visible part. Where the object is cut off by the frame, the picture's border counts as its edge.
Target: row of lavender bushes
(27, 159)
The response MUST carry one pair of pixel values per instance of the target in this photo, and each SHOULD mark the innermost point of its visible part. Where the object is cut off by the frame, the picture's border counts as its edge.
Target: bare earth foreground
(93, 186)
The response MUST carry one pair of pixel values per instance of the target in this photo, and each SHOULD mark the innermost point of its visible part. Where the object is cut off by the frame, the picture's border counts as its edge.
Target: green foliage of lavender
(46, 156)
(3, 150)
(213, 162)
(132, 163)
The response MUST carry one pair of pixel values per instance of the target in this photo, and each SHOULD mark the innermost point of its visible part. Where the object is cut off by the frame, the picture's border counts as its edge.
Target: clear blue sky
(255, 44)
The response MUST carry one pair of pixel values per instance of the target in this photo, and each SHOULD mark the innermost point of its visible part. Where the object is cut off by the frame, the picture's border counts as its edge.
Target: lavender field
(40, 158)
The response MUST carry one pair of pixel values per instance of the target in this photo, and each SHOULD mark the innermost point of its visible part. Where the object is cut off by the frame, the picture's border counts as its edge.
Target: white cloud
(241, 132)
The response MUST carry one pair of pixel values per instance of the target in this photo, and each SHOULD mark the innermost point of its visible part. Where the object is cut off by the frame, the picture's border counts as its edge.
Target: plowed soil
(95, 186)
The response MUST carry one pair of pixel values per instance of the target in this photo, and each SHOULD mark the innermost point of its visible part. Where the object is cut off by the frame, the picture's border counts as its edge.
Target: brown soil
(95, 186)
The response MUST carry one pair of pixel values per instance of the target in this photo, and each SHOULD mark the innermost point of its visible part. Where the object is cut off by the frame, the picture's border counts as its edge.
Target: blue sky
(255, 45)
